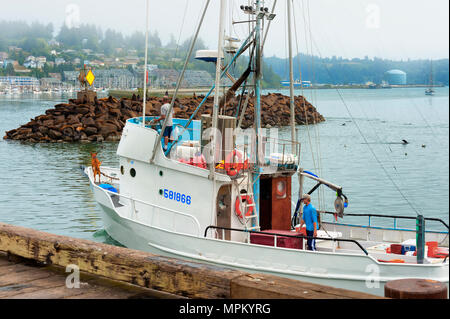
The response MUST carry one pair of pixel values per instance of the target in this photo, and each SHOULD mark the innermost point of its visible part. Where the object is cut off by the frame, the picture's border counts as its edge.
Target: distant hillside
(337, 70)
(90, 42)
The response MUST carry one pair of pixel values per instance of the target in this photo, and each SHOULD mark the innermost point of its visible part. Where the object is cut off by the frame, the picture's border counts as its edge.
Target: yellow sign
(90, 77)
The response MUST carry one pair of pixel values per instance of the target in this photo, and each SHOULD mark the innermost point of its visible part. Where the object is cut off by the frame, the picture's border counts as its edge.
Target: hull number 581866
(184, 199)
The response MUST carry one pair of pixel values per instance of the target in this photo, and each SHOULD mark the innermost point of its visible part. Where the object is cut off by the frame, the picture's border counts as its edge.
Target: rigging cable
(316, 161)
(314, 99)
(365, 139)
(179, 35)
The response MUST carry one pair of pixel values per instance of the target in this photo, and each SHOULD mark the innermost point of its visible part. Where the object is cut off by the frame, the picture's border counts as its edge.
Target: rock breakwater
(104, 119)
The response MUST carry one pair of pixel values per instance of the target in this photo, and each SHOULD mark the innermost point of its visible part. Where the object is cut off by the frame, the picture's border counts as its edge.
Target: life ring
(237, 205)
(234, 168)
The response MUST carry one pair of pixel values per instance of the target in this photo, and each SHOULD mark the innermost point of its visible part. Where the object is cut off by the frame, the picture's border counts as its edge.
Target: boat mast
(291, 79)
(256, 185)
(145, 65)
(217, 89)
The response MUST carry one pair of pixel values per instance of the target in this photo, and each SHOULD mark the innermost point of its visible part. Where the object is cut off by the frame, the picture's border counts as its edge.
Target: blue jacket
(310, 217)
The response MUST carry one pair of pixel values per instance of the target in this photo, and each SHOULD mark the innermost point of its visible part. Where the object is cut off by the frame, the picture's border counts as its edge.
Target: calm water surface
(41, 186)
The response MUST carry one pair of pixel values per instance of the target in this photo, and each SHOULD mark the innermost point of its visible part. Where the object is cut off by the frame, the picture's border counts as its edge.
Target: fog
(398, 29)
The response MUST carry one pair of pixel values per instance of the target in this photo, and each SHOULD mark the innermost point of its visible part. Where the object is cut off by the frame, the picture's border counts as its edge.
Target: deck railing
(282, 235)
(394, 217)
(159, 210)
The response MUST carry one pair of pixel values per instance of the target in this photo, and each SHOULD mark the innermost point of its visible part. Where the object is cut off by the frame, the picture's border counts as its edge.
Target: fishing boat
(223, 196)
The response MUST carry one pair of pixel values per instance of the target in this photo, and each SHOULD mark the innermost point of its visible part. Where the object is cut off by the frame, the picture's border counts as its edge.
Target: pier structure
(34, 264)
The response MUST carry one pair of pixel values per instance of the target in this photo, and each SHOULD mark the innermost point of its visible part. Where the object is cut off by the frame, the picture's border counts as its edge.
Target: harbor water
(358, 147)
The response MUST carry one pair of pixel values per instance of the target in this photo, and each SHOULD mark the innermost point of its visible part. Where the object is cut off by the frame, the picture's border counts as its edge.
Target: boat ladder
(253, 218)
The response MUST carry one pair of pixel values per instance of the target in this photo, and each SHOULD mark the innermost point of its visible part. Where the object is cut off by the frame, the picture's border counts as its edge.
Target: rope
(110, 177)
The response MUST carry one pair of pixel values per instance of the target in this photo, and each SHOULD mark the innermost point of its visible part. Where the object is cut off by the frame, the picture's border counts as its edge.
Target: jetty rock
(104, 119)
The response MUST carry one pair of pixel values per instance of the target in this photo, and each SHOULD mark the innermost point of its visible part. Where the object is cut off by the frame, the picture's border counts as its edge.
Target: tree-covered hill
(39, 39)
(345, 71)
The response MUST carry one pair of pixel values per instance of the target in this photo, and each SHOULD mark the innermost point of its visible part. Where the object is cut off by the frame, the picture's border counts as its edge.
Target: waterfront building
(19, 81)
(116, 78)
(50, 83)
(55, 76)
(71, 77)
(166, 78)
(297, 84)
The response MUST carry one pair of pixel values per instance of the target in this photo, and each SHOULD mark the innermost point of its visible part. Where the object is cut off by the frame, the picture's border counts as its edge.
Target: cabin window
(133, 172)
(122, 170)
(281, 189)
(160, 173)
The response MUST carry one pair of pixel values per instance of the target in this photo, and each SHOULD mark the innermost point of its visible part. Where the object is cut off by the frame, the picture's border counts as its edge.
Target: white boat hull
(351, 271)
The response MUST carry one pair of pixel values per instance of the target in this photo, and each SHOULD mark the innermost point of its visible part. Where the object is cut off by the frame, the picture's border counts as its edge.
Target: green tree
(10, 69)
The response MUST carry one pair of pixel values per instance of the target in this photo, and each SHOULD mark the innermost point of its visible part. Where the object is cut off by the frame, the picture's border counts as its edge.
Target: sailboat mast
(145, 64)
(291, 77)
(431, 74)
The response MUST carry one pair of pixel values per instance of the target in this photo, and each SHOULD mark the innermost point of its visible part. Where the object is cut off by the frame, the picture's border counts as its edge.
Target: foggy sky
(393, 29)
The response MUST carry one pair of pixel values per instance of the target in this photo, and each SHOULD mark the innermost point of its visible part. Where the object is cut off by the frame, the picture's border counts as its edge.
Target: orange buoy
(237, 206)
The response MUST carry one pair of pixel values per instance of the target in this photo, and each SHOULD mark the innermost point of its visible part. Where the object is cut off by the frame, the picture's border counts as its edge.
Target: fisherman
(310, 219)
(169, 126)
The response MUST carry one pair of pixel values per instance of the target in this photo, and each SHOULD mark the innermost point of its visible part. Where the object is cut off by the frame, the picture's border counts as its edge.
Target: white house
(31, 64)
(59, 61)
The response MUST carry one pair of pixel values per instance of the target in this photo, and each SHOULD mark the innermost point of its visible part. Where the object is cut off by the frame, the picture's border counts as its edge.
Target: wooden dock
(33, 265)
(25, 279)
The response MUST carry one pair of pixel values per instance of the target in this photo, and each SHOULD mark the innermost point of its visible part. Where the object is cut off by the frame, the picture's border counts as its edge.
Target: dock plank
(19, 281)
(17, 275)
(22, 288)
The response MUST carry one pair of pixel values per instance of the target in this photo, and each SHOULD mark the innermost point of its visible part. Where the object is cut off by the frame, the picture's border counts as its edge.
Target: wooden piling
(167, 275)
(415, 289)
